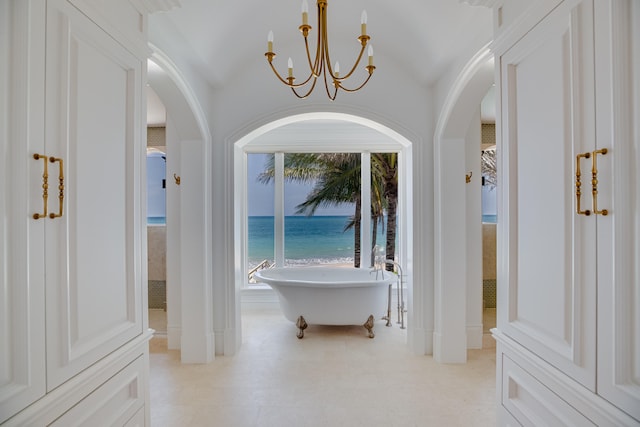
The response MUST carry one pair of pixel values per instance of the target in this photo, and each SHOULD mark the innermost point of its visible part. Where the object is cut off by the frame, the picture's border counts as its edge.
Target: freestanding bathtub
(329, 295)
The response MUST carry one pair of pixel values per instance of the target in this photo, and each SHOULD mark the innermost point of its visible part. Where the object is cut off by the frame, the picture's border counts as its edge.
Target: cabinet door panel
(547, 81)
(117, 402)
(22, 363)
(617, 35)
(93, 277)
(532, 403)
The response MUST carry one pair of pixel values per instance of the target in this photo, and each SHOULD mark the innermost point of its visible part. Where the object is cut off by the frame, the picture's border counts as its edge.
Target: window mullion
(365, 211)
(278, 214)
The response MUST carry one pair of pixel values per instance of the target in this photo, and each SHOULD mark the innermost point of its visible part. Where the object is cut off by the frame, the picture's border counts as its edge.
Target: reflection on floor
(334, 376)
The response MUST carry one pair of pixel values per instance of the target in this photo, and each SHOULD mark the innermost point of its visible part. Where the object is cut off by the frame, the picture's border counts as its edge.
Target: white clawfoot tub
(329, 295)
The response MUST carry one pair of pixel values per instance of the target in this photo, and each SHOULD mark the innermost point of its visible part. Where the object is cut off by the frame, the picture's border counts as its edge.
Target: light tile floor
(334, 376)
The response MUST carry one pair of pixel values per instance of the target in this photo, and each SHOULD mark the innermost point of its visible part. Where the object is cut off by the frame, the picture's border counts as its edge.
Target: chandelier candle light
(322, 62)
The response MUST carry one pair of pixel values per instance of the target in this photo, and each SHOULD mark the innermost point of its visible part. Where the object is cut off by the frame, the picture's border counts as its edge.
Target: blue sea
(308, 240)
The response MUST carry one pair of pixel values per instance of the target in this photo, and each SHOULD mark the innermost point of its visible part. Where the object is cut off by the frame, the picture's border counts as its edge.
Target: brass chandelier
(322, 62)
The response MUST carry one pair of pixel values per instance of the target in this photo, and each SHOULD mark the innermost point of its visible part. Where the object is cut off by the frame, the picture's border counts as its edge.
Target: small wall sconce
(468, 177)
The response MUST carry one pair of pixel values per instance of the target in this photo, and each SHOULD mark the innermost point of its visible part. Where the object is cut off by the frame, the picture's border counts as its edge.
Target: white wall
(253, 98)
(391, 98)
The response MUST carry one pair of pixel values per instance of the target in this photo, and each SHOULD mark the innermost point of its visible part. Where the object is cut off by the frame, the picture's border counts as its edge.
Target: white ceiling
(156, 111)
(219, 37)
(423, 37)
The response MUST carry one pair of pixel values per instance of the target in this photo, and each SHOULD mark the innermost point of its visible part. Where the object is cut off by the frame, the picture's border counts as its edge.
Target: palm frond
(489, 168)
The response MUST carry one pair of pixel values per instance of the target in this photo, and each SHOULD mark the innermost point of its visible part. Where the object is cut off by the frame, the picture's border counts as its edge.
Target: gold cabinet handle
(594, 182)
(45, 186)
(586, 212)
(60, 187)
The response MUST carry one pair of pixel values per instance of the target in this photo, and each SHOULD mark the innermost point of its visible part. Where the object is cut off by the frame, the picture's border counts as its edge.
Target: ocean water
(156, 220)
(308, 240)
(490, 219)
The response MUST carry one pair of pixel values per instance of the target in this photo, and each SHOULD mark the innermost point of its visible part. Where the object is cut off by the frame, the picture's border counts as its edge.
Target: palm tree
(337, 181)
(384, 167)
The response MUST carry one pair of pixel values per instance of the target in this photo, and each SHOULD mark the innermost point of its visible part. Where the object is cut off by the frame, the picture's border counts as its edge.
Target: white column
(174, 292)
(473, 245)
(197, 340)
(449, 337)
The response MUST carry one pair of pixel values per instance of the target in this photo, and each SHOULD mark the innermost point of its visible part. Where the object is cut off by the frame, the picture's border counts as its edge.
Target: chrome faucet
(377, 254)
(379, 264)
(401, 309)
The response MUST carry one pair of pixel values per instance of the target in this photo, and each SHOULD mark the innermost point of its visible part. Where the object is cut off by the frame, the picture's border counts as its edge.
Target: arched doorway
(386, 139)
(456, 305)
(189, 237)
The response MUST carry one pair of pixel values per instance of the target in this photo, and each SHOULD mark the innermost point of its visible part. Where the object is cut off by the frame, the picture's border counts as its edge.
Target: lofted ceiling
(422, 37)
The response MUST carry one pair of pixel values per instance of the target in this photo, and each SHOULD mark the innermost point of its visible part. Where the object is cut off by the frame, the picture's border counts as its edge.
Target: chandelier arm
(286, 82)
(335, 92)
(293, 89)
(346, 76)
(359, 87)
(278, 74)
(313, 70)
(336, 84)
(313, 67)
(325, 46)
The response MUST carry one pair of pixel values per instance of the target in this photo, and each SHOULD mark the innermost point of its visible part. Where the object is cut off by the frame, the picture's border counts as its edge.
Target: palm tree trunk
(356, 233)
(391, 193)
(391, 232)
(374, 238)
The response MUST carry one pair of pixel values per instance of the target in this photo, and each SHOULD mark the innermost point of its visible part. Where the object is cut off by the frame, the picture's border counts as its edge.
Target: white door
(547, 249)
(22, 352)
(93, 92)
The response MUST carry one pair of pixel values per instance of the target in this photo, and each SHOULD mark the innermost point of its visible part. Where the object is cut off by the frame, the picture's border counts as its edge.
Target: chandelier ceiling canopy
(321, 62)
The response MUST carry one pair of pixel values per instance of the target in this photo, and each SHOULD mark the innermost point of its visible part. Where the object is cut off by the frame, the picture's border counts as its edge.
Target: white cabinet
(548, 118)
(22, 300)
(569, 231)
(113, 404)
(93, 264)
(72, 271)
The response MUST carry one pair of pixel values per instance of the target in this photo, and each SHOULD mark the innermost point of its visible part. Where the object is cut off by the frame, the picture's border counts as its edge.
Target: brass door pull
(60, 187)
(45, 186)
(594, 182)
(586, 212)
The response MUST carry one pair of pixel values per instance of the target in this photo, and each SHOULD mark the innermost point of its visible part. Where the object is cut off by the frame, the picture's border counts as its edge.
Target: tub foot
(369, 326)
(302, 325)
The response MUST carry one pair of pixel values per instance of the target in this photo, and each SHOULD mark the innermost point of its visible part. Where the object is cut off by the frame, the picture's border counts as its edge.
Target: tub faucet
(379, 264)
(401, 309)
(377, 254)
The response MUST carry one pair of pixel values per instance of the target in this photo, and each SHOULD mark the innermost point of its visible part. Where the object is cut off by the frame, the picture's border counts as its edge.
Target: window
(305, 208)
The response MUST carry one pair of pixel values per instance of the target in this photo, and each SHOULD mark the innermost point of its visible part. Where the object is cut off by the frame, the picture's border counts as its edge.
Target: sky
(260, 195)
